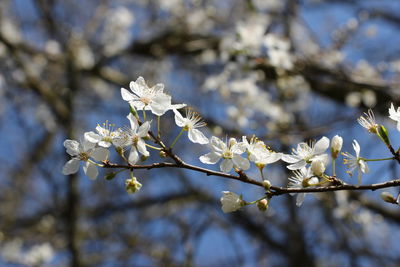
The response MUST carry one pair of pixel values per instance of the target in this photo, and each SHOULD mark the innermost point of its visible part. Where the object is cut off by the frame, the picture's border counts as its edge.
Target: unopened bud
(336, 146)
(266, 184)
(143, 157)
(387, 197)
(262, 205)
(318, 167)
(132, 185)
(163, 154)
(133, 111)
(383, 135)
(110, 175)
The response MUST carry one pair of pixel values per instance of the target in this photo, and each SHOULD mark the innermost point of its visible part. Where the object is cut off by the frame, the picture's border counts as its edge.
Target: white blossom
(83, 152)
(190, 123)
(133, 138)
(395, 115)
(231, 202)
(306, 154)
(143, 97)
(132, 185)
(105, 135)
(230, 153)
(259, 153)
(368, 122)
(302, 178)
(355, 162)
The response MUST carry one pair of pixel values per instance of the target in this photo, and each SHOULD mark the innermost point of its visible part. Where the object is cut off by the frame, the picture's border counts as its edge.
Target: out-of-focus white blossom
(117, 33)
(278, 51)
(230, 153)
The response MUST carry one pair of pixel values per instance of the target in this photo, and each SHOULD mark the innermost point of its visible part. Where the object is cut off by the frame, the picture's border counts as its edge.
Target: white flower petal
(72, 166)
(126, 95)
(197, 137)
(298, 165)
(290, 158)
(133, 121)
(300, 199)
(240, 162)
(144, 129)
(100, 153)
(133, 156)
(239, 148)
(179, 119)
(356, 148)
(217, 145)
(141, 146)
(226, 165)
(105, 144)
(321, 146)
(72, 147)
(93, 137)
(90, 170)
(87, 145)
(210, 158)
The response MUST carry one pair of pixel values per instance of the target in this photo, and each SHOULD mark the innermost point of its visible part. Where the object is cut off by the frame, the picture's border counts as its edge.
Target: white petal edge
(197, 137)
(72, 166)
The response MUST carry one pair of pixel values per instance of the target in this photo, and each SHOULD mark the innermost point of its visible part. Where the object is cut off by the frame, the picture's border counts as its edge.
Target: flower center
(145, 100)
(84, 156)
(135, 140)
(227, 154)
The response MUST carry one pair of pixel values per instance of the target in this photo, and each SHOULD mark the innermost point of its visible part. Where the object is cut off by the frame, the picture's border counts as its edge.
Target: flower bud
(336, 146)
(231, 202)
(318, 167)
(267, 184)
(383, 135)
(143, 157)
(132, 185)
(262, 205)
(163, 154)
(387, 197)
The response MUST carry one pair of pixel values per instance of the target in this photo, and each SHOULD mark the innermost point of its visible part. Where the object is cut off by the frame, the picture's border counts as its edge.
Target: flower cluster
(308, 161)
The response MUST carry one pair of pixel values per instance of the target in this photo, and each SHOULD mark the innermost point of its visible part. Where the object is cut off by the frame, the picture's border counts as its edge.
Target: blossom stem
(176, 139)
(262, 174)
(144, 113)
(158, 126)
(95, 163)
(153, 147)
(255, 201)
(334, 167)
(364, 159)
